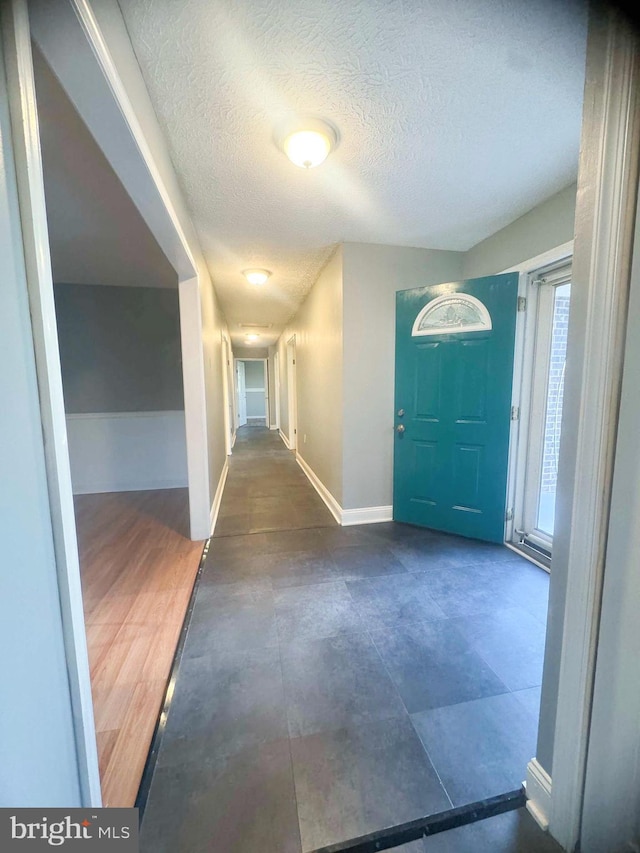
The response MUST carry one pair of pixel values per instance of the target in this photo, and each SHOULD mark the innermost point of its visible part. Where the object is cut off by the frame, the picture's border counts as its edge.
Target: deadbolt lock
(400, 413)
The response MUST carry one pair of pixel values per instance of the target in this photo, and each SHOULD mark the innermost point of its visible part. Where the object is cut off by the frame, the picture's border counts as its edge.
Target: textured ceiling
(96, 234)
(455, 118)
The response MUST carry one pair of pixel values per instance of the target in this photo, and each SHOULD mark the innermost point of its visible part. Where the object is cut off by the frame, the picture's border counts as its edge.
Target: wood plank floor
(138, 569)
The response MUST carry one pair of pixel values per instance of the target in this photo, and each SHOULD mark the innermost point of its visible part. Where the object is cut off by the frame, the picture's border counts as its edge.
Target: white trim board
(538, 788)
(217, 499)
(367, 515)
(285, 440)
(332, 504)
(344, 517)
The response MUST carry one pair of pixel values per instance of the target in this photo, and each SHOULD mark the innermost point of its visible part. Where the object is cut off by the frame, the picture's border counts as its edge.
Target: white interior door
(241, 388)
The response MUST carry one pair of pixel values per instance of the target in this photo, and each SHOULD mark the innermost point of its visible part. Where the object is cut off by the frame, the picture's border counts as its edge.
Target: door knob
(400, 428)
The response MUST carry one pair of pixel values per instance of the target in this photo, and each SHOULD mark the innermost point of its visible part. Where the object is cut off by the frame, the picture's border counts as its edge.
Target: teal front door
(454, 372)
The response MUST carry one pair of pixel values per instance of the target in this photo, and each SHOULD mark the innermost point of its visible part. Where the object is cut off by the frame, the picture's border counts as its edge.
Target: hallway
(336, 681)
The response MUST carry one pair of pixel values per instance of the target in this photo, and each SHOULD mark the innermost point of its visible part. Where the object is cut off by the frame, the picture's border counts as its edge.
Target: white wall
(127, 451)
(318, 331)
(39, 762)
(548, 225)
(372, 275)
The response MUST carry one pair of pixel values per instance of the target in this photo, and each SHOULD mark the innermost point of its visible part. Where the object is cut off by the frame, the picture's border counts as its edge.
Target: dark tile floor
(336, 681)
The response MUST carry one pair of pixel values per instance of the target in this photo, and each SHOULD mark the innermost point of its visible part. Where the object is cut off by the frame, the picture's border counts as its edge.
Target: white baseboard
(233, 440)
(538, 787)
(367, 515)
(273, 426)
(217, 500)
(332, 504)
(345, 517)
(285, 440)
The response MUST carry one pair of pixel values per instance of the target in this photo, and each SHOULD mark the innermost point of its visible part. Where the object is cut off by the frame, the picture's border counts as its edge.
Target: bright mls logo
(73, 829)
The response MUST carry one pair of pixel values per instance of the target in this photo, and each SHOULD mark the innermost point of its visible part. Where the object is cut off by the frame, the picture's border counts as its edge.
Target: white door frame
(26, 140)
(227, 396)
(605, 214)
(522, 393)
(236, 387)
(292, 393)
(276, 387)
(523, 361)
(265, 362)
(69, 36)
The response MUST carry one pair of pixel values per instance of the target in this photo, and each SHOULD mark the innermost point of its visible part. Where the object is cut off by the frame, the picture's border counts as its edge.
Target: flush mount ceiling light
(256, 276)
(251, 338)
(307, 142)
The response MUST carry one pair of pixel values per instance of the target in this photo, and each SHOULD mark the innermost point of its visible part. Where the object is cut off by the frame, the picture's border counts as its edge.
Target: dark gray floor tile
(387, 601)
(526, 584)
(232, 525)
(511, 641)
(353, 781)
(336, 682)
(343, 537)
(513, 832)
(225, 704)
(316, 611)
(530, 698)
(479, 748)
(299, 568)
(357, 562)
(466, 590)
(252, 586)
(230, 624)
(441, 550)
(243, 803)
(432, 665)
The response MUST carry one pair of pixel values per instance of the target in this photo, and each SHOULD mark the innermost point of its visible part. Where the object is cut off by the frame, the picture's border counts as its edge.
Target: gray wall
(548, 225)
(318, 330)
(39, 761)
(372, 275)
(119, 348)
(96, 233)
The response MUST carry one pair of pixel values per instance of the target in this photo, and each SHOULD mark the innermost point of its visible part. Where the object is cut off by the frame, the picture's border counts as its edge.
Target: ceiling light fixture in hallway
(308, 142)
(256, 276)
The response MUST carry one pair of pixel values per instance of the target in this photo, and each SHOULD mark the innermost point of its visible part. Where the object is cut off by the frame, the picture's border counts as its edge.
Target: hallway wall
(548, 225)
(318, 331)
(372, 275)
(114, 31)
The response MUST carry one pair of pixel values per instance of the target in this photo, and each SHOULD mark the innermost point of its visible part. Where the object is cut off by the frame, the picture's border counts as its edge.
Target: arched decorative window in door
(451, 314)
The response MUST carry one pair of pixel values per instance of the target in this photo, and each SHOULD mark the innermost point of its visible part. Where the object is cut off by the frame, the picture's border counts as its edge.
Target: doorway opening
(252, 392)
(228, 396)
(119, 337)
